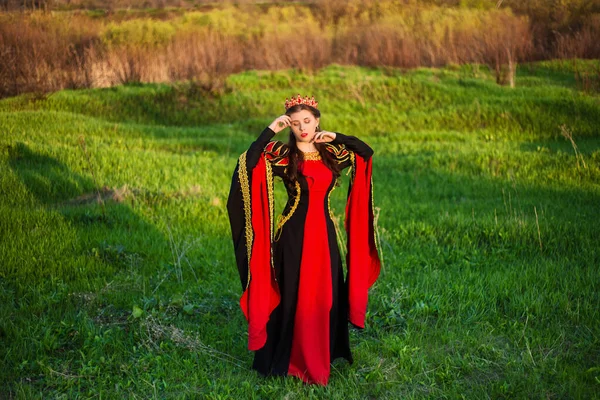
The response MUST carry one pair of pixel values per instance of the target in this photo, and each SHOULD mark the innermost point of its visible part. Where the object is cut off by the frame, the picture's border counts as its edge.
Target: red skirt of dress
(310, 353)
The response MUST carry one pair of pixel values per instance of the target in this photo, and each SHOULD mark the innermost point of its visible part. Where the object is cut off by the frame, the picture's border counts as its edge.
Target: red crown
(299, 100)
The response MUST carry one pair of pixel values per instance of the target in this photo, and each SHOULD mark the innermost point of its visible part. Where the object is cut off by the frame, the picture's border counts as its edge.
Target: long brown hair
(295, 154)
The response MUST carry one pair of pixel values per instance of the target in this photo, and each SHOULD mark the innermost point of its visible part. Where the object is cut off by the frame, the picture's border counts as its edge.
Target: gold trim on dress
(329, 199)
(276, 153)
(284, 218)
(243, 174)
(352, 165)
(375, 226)
(311, 155)
(271, 200)
(341, 153)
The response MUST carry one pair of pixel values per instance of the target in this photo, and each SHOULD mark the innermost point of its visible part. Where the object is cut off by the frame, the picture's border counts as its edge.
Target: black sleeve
(236, 206)
(257, 147)
(354, 144)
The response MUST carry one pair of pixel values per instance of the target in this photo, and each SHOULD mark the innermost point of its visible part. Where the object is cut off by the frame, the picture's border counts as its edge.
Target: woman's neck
(306, 147)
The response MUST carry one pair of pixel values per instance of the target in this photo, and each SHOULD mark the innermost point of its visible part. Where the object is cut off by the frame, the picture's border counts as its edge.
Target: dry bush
(346, 13)
(204, 59)
(40, 54)
(309, 51)
(128, 65)
(373, 46)
(506, 41)
(200, 56)
(556, 21)
(331, 12)
(499, 39)
(43, 52)
(581, 44)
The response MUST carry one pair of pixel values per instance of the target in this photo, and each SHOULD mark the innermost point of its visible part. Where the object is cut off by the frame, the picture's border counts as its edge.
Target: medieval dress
(295, 298)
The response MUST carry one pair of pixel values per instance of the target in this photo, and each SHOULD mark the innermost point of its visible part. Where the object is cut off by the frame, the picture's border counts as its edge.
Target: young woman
(295, 298)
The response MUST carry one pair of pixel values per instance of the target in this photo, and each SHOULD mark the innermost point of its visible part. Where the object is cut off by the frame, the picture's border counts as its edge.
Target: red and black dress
(295, 298)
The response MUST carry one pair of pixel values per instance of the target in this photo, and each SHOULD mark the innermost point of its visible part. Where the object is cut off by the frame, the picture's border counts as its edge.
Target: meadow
(118, 276)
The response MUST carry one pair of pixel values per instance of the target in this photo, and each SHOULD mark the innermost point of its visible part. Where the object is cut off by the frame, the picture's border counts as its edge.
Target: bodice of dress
(318, 176)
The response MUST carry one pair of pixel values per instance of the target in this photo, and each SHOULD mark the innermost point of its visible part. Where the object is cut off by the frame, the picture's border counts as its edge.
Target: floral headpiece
(299, 100)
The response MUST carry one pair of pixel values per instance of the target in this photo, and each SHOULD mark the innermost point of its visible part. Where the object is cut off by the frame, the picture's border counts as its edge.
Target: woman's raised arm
(256, 148)
(354, 144)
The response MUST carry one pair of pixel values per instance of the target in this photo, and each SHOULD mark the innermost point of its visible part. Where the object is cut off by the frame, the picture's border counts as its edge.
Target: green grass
(488, 224)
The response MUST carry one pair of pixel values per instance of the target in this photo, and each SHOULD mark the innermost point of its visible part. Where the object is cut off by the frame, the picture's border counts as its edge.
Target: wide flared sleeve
(250, 210)
(353, 144)
(362, 258)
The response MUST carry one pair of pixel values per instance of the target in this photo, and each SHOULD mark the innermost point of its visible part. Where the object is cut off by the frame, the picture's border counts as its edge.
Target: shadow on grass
(547, 75)
(155, 104)
(106, 228)
(60, 305)
(586, 146)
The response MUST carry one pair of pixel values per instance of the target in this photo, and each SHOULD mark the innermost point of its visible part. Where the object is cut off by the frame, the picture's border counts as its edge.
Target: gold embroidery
(243, 174)
(271, 205)
(375, 225)
(276, 153)
(329, 199)
(283, 219)
(270, 192)
(339, 151)
(352, 166)
(311, 155)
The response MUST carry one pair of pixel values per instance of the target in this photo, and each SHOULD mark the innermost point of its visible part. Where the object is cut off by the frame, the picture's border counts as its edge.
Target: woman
(295, 298)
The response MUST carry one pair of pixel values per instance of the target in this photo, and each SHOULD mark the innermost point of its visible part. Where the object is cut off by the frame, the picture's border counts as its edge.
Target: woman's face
(304, 125)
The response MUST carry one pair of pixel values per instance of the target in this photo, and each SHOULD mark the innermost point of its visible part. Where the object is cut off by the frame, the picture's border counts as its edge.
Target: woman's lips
(303, 134)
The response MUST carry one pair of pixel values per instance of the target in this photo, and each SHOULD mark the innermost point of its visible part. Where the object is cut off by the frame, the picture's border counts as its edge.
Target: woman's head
(305, 122)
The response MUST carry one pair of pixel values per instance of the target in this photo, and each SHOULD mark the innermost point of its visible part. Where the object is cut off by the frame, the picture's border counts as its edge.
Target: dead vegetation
(45, 52)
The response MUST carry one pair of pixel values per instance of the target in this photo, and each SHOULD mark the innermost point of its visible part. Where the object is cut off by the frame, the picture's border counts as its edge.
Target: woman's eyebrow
(295, 120)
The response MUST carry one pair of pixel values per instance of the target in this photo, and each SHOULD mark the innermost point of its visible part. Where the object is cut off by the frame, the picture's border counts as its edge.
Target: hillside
(118, 275)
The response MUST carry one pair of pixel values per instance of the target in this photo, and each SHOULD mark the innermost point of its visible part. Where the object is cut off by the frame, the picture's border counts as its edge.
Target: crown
(299, 100)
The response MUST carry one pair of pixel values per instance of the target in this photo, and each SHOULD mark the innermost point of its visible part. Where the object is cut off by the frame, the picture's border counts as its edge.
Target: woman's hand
(324, 137)
(280, 123)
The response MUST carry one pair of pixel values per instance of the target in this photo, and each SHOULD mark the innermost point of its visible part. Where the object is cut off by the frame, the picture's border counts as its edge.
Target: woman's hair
(295, 153)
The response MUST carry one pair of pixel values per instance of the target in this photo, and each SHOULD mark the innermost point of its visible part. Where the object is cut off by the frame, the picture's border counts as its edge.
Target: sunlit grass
(488, 227)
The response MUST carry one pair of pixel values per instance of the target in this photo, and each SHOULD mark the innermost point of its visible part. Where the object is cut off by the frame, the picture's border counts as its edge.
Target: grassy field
(118, 277)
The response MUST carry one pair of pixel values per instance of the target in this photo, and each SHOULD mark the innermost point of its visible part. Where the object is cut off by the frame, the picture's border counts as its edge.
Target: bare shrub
(81, 60)
(499, 40)
(127, 64)
(373, 46)
(580, 44)
(205, 59)
(505, 42)
(330, 12)
(194, 55)
(308, 51)
(43, 54)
